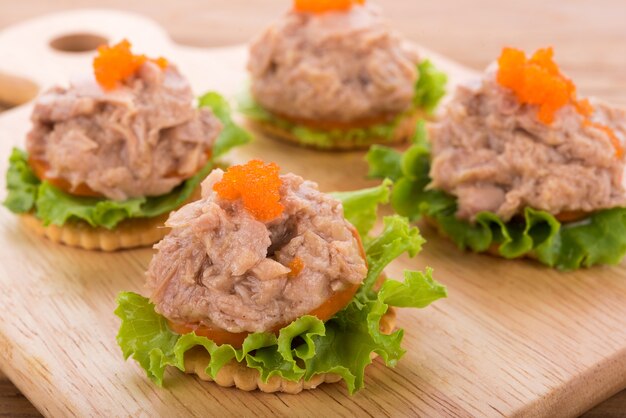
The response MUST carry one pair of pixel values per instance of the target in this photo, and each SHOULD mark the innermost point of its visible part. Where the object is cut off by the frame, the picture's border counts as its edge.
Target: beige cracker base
(244, 378)
(131, 233)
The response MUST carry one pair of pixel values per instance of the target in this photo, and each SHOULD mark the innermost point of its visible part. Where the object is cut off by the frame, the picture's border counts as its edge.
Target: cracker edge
(130, 233)
(244, 378)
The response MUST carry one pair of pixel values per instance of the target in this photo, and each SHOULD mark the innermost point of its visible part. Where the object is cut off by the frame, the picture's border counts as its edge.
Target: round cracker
(130, 233)
(244, 378)
(402, 132)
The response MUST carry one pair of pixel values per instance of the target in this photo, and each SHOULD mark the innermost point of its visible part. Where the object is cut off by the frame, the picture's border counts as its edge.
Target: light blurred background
(589, 36)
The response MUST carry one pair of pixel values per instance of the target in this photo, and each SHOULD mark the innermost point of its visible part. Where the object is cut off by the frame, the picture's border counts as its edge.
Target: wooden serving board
(513, 338)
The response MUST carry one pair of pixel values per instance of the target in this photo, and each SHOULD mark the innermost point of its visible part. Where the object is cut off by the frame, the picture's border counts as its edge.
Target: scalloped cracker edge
(244, 378)
(402, 132)
(130, 233)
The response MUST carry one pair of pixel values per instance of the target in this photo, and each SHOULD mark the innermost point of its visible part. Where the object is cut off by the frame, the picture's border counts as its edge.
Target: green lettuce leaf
(354, 333)
(53, 206)
(232, 135)
(384, 162)
(429, 89)
(303, 349)
(57, 207)
(144, 335)
(22, 184)
(397, 237)
(27, 193)
(308, 346)
(598, 239)
(360, 207)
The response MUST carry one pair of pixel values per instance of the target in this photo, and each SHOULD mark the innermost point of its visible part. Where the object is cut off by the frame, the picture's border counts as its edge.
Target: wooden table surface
(588, 37)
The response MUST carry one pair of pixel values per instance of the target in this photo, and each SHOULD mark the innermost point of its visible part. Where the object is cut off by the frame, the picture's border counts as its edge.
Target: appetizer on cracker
(519, 166)
(333, 75)
(268, 283)
(109, 156)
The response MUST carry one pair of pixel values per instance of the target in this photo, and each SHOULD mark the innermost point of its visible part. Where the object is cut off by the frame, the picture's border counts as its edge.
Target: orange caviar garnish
(161, 62)
(584, 107)
(321, 6)
(116, 63)
(296, 265)
(539, 81)
(258, 186)
(536, 81)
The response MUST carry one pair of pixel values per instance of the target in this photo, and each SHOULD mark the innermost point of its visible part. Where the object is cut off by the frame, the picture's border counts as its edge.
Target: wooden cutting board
(512, 339)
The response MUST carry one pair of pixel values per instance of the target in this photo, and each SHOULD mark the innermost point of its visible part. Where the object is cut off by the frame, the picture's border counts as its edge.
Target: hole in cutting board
(15, 90)
(78, 42)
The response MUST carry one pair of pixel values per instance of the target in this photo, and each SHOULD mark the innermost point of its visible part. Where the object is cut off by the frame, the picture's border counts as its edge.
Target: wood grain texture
(504, 343)
(588, 34)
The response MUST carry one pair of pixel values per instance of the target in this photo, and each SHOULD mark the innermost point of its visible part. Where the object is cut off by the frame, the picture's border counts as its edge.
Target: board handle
(50, 49)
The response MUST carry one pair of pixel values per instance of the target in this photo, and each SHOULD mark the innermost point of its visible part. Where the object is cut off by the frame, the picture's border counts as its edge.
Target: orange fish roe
(539, 81)
(116, 63)
(536, 81)
(321, 6)
(161, 62)
(296, 265)
(258, 186)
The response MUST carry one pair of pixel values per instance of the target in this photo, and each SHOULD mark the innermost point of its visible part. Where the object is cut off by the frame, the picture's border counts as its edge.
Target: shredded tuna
(141, 139)
(221, 267)
(494, 154)
(333, 67)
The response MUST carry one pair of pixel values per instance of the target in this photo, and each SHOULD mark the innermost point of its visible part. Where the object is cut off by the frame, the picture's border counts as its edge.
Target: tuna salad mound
(263, 283)
(494, 154)
(228, 267)
(339, 68)
(518, 165)
(333, 67)
(117, 149)
(143, 138)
